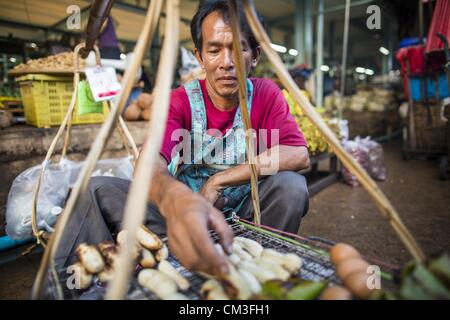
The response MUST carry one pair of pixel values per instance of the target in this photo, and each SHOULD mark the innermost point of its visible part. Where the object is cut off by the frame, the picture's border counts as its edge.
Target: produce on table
(336, 293)
(106, 275)
(91, 258)
(293, 290)
(145, 101)
(132, 112)
(62, 62)
(234, 285)
(147, 259)
(262, 274)
(350, 265)
(162, 253)
(148, 239)
(139, 109)
(121, 237)
(307, 290)
(177, 296)
(109, 251)
(316, 142)
(251, 246)
(356, 282)
(257, 276)
(271, 265)
(352, 270)
(146, 114)
(342, 251)
(251, 281)
(166, 268)
(290, 261)
(418, 281)
(213, 290)
(157, 282)
(424, 281)
(83, 276)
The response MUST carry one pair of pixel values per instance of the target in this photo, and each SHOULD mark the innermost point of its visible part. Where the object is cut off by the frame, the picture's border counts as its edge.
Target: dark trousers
(98, 214)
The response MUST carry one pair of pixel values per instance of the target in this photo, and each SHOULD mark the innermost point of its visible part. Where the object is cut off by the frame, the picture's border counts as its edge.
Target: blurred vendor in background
(302, 76)
(138, 105)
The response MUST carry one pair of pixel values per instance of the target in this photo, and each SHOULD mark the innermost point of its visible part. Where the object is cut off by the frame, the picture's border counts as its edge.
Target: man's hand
(188, 220)
(211, 191)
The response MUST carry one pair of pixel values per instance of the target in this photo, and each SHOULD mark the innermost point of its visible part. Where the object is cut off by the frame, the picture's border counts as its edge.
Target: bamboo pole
(136, 205)
(242, 81)
(125, 136)
(98, 145)
(383, 204)
(126, 132)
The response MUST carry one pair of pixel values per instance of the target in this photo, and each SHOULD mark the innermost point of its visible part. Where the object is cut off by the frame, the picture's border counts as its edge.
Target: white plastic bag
(369, 154)
(375, 166)
(55, 185)
(360, 153)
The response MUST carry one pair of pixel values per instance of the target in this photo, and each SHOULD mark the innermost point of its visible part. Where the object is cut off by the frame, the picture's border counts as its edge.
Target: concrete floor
(339, 213)
(345, 214)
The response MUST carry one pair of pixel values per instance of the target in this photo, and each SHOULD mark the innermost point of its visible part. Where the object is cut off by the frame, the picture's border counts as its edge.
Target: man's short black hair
(207, 7)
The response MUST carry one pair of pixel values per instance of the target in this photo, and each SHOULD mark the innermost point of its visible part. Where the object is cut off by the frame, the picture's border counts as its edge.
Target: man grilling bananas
(202, 174)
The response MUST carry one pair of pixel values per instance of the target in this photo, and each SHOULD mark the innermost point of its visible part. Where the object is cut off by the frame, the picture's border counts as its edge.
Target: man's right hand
(189, 216)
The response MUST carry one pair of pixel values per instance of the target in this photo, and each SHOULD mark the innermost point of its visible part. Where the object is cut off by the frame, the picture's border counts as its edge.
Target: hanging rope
(97, 147)
(242, 79)
(136, 205)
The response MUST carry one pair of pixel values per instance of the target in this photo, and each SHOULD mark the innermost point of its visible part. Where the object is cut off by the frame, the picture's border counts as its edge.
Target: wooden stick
(137, 199)
(384, 205)
(127, 133)
(98, 145)
(126, 137)
(242, 81)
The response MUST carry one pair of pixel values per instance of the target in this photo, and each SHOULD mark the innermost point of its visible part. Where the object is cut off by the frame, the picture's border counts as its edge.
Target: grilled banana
(166, 268)
(156, 281)
(90, 258)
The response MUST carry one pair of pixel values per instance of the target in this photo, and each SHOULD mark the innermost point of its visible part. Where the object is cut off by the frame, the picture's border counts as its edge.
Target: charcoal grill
(316, 267)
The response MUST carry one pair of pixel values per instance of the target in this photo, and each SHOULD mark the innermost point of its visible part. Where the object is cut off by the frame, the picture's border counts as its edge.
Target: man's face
(217, 58)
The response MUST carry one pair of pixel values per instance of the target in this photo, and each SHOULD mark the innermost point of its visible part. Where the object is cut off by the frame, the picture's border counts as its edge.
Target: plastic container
(47, 98)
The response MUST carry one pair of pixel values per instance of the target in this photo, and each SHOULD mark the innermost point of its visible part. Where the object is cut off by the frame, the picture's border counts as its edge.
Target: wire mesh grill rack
(316, 266)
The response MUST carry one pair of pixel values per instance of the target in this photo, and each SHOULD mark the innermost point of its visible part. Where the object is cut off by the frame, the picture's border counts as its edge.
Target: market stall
(263, 262)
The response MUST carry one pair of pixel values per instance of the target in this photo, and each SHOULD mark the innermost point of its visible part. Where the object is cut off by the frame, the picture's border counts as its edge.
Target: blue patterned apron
(209, 157)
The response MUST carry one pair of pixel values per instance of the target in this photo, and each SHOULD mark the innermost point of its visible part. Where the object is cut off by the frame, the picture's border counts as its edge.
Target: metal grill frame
(316, 267)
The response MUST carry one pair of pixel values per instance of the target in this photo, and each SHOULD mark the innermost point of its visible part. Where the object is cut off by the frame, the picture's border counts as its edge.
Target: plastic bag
(375, 167)
(55, 185)
(361, 154)
(369, 154)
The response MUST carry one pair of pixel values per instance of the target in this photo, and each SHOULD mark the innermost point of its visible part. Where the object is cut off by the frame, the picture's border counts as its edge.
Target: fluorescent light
(361, 77)
(33, 45)
(369, 72)
(13, 60)
(293, 52)
(325, 68)
(384, 51)
(360, 70)
(278, 48)
(123, 56)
